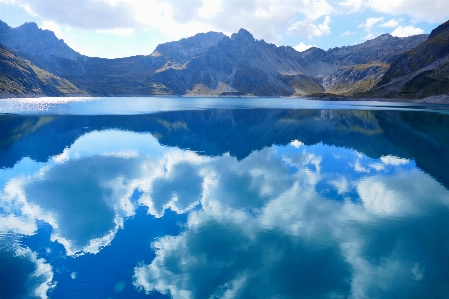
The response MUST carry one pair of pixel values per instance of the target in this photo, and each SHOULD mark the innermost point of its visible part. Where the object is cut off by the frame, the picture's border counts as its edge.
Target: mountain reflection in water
(253, 203)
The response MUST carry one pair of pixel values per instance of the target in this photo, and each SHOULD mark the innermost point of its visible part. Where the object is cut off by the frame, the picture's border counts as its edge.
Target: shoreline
(437, 99)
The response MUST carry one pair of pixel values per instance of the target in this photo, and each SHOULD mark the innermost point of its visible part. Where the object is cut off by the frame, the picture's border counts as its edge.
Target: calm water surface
(223, 198)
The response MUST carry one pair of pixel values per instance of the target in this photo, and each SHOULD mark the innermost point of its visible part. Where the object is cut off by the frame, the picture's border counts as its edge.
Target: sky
(122, 28)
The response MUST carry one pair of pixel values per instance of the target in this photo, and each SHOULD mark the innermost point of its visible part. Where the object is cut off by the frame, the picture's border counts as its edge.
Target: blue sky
(120, 28)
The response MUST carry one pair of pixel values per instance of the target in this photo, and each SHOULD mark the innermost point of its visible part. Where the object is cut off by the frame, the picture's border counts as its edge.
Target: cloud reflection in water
(259, 227)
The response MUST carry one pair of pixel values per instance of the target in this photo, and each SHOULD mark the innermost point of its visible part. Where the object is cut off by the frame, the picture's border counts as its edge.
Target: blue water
(145, 105)
(223, 198)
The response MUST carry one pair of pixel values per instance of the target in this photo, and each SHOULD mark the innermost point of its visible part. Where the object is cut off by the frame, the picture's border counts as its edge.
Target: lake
(223, 198)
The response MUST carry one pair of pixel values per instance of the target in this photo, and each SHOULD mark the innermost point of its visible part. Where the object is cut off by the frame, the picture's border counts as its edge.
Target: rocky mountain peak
(213, 63)
(381, 39)
(386, 37)
(313, 49)
(440, 29)
(30, 29)
(30, 39)
(243, 35)
(186, 48)
(29, 25)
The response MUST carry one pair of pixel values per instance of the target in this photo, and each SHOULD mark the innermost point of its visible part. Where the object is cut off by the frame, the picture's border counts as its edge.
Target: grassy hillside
(353, 79)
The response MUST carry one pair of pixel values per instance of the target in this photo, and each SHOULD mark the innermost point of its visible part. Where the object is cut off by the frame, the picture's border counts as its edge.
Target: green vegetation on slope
(304, 84)
(426, 84)
(354, 79)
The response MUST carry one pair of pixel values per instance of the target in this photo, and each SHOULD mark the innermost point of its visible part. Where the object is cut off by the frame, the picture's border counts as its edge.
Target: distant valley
(34, 62)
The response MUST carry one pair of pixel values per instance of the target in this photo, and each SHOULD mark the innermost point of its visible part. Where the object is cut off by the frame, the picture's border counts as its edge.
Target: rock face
(42, 48)
(241, 65)
(19, 77)
(420, 72)
(238, 65)
(186, 48)
(384, 48)
(214, 64)
(28, 38)
(354, 79)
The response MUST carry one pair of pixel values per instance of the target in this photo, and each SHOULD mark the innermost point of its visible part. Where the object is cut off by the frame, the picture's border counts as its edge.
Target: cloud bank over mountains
(263, 17)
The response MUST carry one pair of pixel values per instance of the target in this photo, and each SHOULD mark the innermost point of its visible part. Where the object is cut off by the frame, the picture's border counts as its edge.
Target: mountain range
(35, 62)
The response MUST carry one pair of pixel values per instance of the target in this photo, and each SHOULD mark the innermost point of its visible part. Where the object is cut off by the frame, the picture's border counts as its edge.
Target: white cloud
(393, 160)
(404, 31)
(32, 277)
(85, 14)
(369, 36)
(368, 27)
(263, 18)
(307, 28)
(292, 218)
(417, 272)
(377, 166)
(341, 184)
(316, 9)
(381, 198)
(269, 237)
(359, 167)
(431, 11)
(370, 22)
(402, 194)
(53, 27)
(346, 33)
(107, 176)
(351, 5)
(50, 193)
(300, 48)
(390, 24)
(264, 212)
(42, 276)
(434, 11)
(296, 143)
(118, 31)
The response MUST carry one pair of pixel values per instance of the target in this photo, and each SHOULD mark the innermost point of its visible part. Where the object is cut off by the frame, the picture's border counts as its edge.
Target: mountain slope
(238, 65)
(21, 77)
(420, 72)
(241, 65)
(28, 38)
(351, 79)
(213, 64)
(42, 48)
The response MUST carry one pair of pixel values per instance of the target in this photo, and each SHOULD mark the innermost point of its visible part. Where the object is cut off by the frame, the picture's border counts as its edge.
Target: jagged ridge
(214, 64)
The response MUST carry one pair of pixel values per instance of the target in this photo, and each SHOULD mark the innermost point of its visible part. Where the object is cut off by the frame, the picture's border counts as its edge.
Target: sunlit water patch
(225, 203)
(144, 105)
